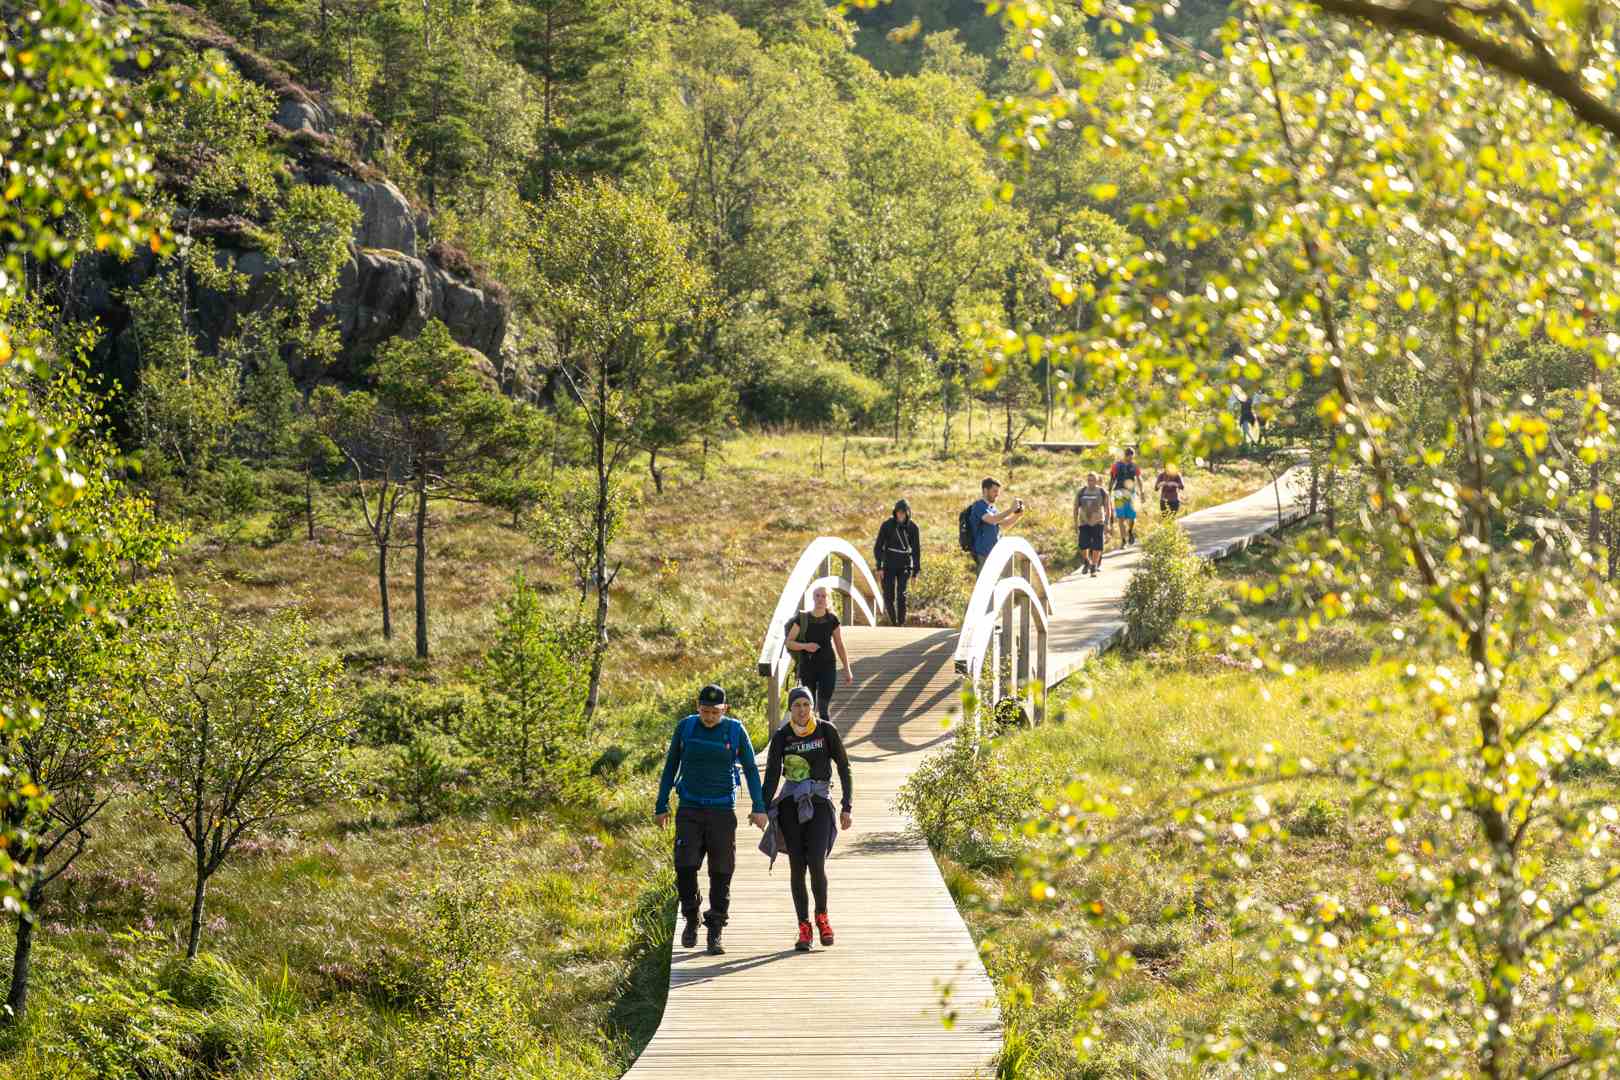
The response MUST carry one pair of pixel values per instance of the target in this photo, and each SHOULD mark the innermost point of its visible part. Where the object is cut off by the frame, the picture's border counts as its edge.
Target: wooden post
(1040, 672)
(846, 604)
(1025, 668)
(995, 670)
(1009, 643)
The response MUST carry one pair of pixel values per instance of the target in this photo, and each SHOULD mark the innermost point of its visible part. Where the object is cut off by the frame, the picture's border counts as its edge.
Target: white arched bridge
(875, 1004)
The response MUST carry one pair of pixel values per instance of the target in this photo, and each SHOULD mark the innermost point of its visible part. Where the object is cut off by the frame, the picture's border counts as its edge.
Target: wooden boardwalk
(1086, 610)
(870, 1006)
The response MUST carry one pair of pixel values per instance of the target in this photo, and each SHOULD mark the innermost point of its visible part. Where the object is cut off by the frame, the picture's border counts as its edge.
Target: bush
(157, 1017)
(531, 732)
(392, 714)
(809, 393)
(962, 800)
(427, 773)
(1170, 584)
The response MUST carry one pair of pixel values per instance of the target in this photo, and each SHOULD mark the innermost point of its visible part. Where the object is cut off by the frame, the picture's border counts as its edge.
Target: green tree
(79, 672)
(377, 458)
(1378, 211)
(73, 148)
(616, 281)
(923, 230)
(252, 732)
(532, 726)
(560, 43)
(451, 426)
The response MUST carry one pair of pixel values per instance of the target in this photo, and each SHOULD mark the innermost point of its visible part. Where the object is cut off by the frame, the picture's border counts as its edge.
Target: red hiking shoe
(803, 944)
(824, 926)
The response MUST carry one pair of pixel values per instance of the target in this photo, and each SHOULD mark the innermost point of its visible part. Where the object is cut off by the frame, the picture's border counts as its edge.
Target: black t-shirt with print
(821, 749)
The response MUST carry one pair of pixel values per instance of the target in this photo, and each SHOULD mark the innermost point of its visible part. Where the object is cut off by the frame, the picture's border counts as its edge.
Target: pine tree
(560, 43)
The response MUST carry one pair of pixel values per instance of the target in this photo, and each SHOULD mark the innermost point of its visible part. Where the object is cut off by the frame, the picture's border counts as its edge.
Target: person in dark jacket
(898, 554)
(804, 751)
(706, 755)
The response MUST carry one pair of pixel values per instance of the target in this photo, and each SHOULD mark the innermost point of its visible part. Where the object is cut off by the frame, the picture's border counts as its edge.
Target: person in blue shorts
(1124, 481)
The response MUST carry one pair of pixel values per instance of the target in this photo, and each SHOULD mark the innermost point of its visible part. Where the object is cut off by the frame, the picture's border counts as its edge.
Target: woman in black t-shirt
(813, 636)
(804, 751)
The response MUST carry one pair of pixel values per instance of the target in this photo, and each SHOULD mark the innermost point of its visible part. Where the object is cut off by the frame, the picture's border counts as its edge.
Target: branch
(1433, 18)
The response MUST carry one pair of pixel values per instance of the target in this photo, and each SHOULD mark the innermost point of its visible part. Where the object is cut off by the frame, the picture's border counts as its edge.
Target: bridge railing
(831, 562)
(1004, 630)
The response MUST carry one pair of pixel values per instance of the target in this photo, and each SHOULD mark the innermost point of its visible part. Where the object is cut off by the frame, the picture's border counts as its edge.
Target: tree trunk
(382, 589)
(898, 386)
(1007, 443)
(194, 942)
(1316, 478)
(599, 645)
(21, 958)
(1594, 516)
(309, 503)
(657, 473)
(703, 463)
(421, 568)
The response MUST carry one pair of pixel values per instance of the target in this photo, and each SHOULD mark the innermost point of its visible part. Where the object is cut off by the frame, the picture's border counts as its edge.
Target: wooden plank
(1063, 447)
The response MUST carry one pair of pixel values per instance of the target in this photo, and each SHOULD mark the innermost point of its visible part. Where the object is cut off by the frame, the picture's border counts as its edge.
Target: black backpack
(964, 529)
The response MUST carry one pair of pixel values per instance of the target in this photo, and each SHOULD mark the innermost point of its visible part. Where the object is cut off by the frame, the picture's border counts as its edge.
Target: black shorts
(1091, 538)
(706, 830)
(1169, 506)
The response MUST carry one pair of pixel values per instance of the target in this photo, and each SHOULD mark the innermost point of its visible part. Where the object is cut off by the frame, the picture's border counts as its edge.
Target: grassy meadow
(1144, 723)
(329, 934)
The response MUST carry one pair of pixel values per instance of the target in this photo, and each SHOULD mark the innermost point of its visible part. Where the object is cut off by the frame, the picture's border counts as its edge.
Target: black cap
(902, 505)
(711, 695)
(799, 692)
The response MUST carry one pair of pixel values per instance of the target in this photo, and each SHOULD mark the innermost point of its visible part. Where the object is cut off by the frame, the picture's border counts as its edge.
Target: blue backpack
(690, 724)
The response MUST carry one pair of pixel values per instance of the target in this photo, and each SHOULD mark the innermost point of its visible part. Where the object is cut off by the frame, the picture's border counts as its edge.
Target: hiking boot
(803, 944)
(689, 933)
(825, 927)
(715, 948)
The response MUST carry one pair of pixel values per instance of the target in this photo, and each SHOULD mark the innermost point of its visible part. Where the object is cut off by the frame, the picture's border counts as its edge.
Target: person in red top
(1170, 486)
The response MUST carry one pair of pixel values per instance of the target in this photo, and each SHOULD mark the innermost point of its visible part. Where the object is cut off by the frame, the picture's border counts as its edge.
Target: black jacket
(894, 539)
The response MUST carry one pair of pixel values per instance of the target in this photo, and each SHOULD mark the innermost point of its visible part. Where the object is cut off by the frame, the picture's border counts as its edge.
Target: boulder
(305, 114)
(474, 317)
(380, 295)
(386, 218)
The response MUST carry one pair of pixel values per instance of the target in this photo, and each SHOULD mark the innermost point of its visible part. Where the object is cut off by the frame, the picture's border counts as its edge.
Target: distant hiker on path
(803, 751)
(898, 554)
(814, 635)
(1124, 480)
(986, 521)
(1247, 419)
(706, 755)
(1092, 513)
(1169, 485)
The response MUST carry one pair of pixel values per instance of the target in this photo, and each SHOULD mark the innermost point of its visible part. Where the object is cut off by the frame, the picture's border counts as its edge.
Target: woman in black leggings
(803, 751)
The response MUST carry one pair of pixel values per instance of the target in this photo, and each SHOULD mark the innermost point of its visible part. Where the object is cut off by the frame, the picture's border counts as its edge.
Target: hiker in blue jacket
(706, 755)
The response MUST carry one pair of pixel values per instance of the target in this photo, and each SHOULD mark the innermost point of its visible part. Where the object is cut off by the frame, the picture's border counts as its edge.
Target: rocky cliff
(397, 278)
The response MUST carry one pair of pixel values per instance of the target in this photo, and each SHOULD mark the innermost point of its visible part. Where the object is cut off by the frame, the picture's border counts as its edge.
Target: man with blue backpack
(709, 756)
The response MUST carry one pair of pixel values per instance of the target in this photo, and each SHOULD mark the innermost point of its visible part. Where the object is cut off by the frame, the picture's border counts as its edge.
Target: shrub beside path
(875, 1005)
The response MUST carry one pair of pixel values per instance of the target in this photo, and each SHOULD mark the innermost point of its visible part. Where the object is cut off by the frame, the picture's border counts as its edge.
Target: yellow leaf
(1104, 192)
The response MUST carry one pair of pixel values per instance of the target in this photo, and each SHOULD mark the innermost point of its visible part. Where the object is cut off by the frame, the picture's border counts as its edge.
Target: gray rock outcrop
(386, 218)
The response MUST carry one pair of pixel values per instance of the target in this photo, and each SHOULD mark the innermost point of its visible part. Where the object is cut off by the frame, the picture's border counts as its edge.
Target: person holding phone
(987, 521)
